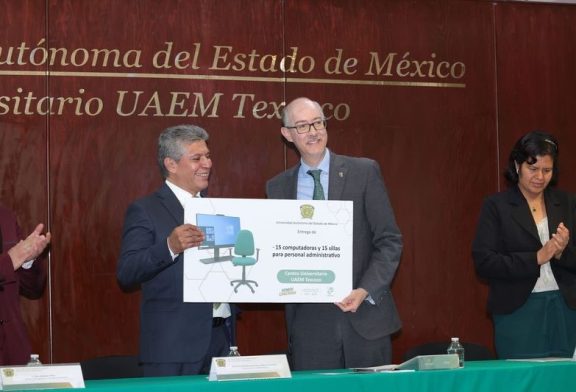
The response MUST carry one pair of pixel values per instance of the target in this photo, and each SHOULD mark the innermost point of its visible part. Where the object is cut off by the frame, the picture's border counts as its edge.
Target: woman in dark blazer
(526, 251)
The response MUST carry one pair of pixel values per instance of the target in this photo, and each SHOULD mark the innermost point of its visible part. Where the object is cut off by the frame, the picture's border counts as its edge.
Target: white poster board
(302, 251)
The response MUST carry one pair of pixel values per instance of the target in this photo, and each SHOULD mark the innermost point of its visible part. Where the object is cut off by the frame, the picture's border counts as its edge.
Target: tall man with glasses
(354, 332)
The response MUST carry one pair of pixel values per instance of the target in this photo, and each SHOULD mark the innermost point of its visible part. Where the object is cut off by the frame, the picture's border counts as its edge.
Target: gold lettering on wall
(214, 63)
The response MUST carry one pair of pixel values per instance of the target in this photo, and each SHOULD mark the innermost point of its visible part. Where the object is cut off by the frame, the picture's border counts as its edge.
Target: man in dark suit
(176, 338)
(20, 274)
(354, 332)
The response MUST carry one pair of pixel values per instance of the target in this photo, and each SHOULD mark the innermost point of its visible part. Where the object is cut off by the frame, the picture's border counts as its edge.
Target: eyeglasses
(318, 125)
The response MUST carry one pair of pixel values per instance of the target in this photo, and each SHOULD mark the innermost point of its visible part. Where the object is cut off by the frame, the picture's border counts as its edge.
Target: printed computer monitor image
(220, 232)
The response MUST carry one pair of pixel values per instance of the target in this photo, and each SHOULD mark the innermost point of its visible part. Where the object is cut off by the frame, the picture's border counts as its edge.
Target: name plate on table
(249, 368)
(41, 377)
(421, 362)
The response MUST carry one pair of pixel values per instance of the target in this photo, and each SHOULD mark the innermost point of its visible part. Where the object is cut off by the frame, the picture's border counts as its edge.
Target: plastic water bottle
(234, 351)
(34, 360)
(456, 348)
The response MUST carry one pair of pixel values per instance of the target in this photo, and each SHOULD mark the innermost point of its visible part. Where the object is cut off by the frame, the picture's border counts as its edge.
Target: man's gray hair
(172, 141)
(287, 110)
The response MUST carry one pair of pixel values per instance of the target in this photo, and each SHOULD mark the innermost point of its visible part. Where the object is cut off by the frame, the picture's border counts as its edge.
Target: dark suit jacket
(377, 243)
(504, 250)
(170, 329)
(14, 344)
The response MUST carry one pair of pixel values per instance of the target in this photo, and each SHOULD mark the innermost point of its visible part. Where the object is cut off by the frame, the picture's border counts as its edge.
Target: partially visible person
(355, 332)
(176, 338)
(525, 250)
(20, 274)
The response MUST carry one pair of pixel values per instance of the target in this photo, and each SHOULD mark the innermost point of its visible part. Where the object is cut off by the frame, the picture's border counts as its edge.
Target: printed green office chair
(244, 249)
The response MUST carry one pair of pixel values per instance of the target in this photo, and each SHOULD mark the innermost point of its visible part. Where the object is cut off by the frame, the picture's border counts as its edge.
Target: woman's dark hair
(527, 148)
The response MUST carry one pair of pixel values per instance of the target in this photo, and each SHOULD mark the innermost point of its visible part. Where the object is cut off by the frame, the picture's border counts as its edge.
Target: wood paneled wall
(436, 92)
